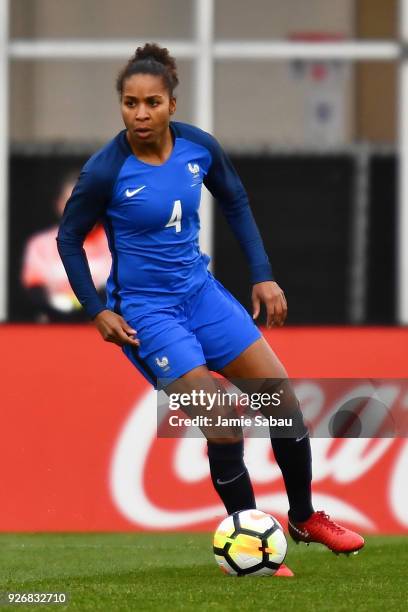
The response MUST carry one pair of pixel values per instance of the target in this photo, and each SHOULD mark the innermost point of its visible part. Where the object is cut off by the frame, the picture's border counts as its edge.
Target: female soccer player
(145, 187)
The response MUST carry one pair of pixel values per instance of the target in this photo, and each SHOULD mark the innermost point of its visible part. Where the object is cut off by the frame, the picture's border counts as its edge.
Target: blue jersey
(151, 217)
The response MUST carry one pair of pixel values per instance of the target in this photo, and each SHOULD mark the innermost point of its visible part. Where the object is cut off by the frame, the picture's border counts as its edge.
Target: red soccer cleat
(284, 571)
(320, 528)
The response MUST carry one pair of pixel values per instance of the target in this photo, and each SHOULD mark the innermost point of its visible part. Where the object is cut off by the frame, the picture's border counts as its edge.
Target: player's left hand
(270, 294)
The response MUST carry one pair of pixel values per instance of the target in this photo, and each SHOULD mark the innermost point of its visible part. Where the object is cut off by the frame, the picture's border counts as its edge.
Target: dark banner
(303, 205)
(303, 209)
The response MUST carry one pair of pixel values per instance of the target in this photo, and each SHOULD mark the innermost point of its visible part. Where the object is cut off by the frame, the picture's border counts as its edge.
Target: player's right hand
(113, 328)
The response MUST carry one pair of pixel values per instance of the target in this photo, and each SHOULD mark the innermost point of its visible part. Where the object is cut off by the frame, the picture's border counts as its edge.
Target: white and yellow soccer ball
(249, 543)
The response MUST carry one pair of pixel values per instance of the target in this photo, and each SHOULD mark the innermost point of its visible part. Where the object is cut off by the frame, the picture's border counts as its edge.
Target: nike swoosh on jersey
(132, 192)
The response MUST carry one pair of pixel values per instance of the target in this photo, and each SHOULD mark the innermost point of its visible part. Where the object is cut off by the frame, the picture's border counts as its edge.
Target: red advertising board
(79, 450)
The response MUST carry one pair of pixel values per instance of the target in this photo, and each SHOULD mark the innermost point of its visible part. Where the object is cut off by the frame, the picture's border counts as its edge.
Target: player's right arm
(84, 208)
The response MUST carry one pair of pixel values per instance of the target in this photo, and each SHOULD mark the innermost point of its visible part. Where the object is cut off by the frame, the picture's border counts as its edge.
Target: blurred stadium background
(315, 140)
(310, 100)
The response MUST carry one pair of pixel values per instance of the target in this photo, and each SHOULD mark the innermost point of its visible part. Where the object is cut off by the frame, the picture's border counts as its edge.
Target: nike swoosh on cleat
(304, 533)
(132, 192)
(223, 482)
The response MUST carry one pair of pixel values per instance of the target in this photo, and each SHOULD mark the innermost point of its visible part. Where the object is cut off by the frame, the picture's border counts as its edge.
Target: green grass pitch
(115, 572)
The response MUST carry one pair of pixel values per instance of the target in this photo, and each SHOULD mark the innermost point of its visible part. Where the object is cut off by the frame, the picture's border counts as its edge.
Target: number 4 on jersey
(175, 219)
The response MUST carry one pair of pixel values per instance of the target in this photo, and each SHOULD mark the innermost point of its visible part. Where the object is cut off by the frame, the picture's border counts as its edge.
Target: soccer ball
(251, 543)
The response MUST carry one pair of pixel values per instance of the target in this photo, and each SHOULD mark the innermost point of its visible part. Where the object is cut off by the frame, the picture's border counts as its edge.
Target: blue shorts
(210, 328)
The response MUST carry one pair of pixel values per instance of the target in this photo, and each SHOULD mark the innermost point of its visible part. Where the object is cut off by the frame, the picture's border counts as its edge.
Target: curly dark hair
(150, 59)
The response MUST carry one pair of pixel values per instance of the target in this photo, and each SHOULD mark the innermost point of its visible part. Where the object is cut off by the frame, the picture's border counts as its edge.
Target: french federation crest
(194, 169)
(163, 362)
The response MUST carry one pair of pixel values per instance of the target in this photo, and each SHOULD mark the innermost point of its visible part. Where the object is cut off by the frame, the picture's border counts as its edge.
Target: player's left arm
(225, 185)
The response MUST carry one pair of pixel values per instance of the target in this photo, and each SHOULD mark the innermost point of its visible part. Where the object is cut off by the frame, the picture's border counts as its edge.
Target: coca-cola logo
(361, 481)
